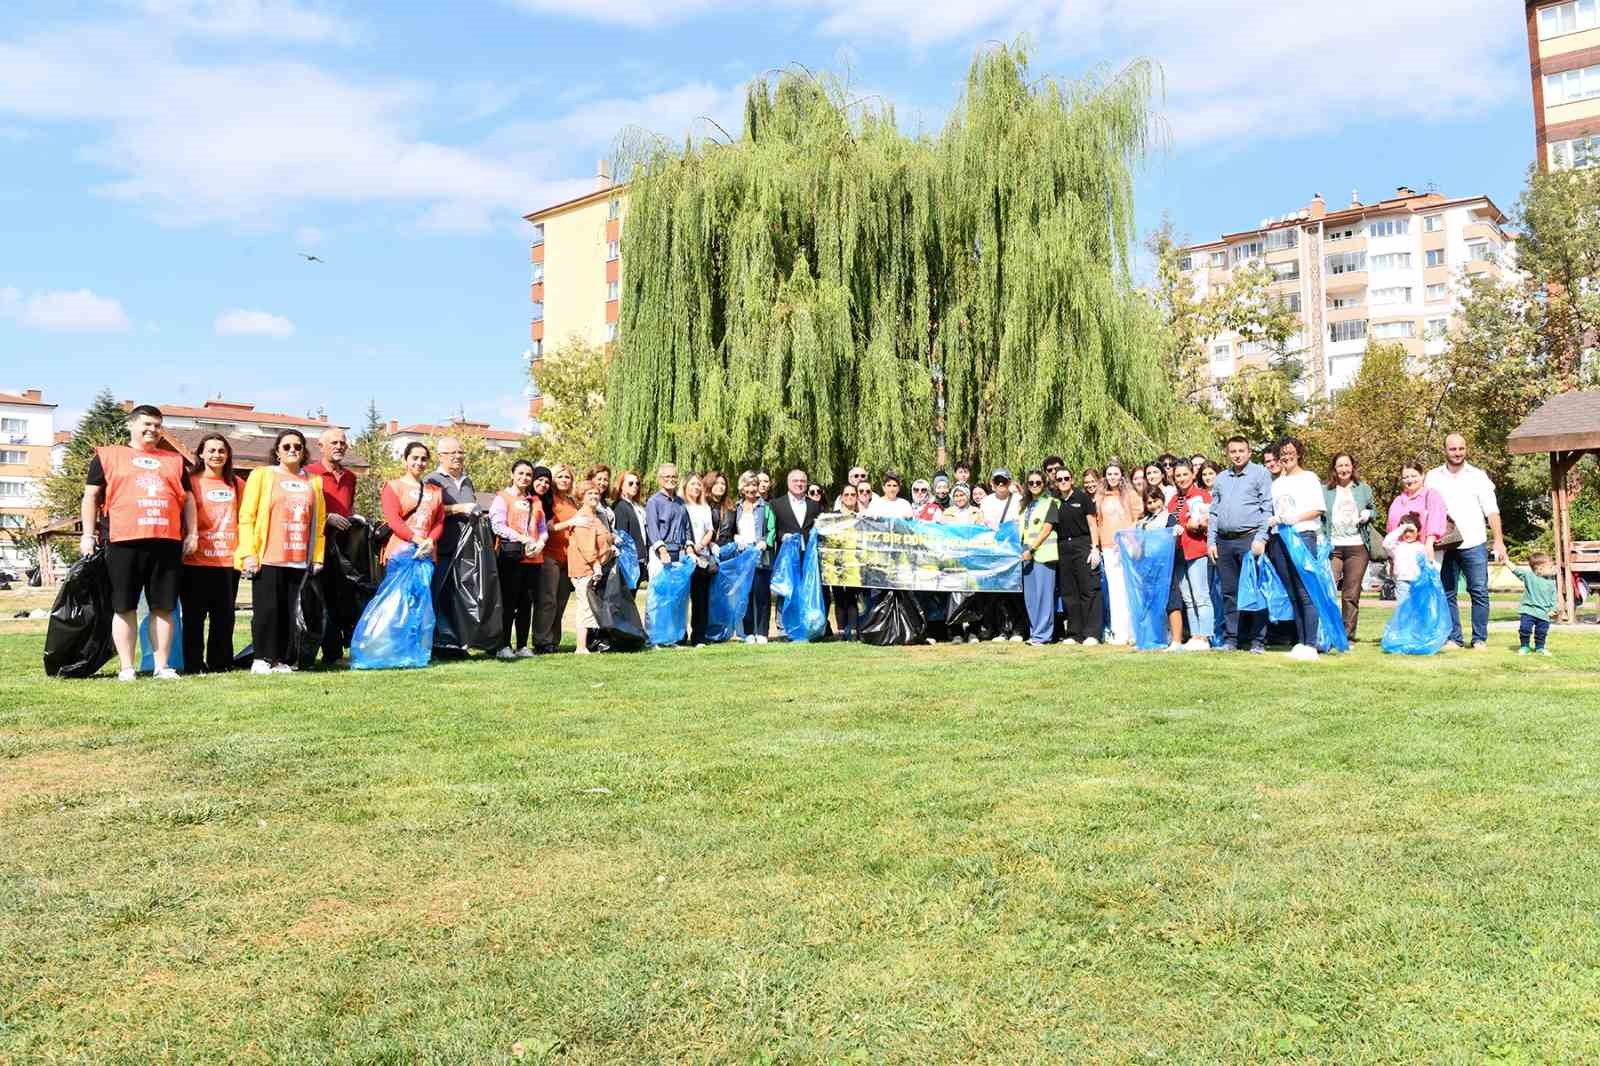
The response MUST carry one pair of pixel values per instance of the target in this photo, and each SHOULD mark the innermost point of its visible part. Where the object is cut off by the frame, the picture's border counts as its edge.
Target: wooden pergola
(1567, 427)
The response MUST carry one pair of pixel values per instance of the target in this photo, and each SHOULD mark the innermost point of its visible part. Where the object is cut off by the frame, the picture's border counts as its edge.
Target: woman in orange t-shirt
(209, 587)
(413, 510)
(587, 552)
(280, 546)
(561, 511)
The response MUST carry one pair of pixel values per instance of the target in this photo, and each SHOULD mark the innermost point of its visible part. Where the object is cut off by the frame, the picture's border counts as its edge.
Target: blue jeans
(1238, 628)
(1039, 593)
(1474, 564)
(1195, 584)
(1531, 625)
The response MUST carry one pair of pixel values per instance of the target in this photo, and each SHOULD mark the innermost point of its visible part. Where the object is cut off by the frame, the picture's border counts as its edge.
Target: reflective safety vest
(289, 518)
(423, 504)
(525, 514)
(144, 493)
(216, 504)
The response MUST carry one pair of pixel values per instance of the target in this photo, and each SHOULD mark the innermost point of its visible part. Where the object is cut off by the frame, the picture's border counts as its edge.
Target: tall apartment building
(576, 255)
(1564, 60)
(1390, 270)
(27, 435)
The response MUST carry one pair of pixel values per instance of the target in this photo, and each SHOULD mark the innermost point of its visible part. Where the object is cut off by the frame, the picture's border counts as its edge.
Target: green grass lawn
(818, 854)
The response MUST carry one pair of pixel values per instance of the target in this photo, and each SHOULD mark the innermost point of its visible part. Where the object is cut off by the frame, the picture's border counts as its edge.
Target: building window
(1279, 239)
(1291, 302)
(1571, 85)
(14, 425)
(1438, 293)
(538, 273)
(537, 349)
(538, 234)
(1284, 271)
(538, 311)
(1219, 259)
(1347, 262)
(1434, 257)
(1393, 331)
(611, 332)
(12, 458)
(1392, 261)
(1247, 250)
(13, 521)
(613, 250)
(1567, 18)
(615, 210)
(1432, 223)
(1480, 250)
(1221, 353)
(1336, 302)
(1353, 330)
(1186, 263)
(1437, 328)
(1389, 227)
(1340, 234)
(13, 489)
(613, 290)
(1397, 295)
(1252, 347)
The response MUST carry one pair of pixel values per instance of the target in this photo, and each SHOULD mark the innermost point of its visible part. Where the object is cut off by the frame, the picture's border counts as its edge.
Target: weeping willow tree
(816, 291)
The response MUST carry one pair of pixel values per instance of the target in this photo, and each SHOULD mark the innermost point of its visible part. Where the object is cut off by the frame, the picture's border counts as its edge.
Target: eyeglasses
(1062, 479)
(291, 447)
(443, 454)
(1034, 483)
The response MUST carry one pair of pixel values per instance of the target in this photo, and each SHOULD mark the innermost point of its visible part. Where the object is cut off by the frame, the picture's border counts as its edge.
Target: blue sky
(165, 160)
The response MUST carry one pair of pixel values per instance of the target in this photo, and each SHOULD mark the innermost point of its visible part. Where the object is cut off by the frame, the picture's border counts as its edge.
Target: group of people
(185, 533)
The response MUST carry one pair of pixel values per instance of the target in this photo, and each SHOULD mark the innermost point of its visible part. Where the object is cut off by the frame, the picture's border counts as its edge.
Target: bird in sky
(308, 258)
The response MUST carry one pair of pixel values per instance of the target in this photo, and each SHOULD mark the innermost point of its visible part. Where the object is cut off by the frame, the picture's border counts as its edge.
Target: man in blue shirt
(1241, 504)
(666, 520)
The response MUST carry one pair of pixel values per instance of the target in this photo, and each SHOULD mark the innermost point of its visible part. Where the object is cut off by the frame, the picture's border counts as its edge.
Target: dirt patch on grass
(39, 776)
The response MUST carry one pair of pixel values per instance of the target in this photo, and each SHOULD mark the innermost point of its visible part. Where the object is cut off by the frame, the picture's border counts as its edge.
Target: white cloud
(241, 323)
(64, 311)
(308, 236)
(637, 13)
(282, 20)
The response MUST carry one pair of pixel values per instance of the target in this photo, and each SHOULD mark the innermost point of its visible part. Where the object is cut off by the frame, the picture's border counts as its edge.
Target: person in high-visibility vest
(281, 544)
(210, 585)
(149, 513)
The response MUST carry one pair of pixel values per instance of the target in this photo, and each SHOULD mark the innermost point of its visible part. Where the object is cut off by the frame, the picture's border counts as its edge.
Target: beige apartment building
(1564, 60)
(1391, 271)
(576, 255)
(27, 440)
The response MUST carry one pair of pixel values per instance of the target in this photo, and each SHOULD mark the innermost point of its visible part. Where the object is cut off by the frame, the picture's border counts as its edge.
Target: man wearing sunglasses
(1077, 569)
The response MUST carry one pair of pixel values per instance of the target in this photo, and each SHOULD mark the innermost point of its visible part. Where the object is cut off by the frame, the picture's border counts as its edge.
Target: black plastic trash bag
(466, 593)
(78, 640)
(355, 580)
(964, 609)
(896, 618)
(616, 612)
(307, 616)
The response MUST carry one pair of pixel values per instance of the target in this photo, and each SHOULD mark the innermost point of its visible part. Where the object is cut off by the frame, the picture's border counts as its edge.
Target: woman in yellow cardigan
(280, 543)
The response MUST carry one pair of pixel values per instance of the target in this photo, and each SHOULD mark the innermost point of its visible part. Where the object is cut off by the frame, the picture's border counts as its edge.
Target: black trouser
(1306, 622)
(551, 590)
(517, 581)
(208, 592)
(272, 602)
(846, 609)
(337, 596)
(1079, 588)
(758, 616)
(1004, 614)
(699, 603)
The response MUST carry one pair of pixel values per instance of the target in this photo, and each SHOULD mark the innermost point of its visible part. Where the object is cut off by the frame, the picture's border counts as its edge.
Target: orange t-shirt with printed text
(144, 493)
(289, 518)
(216, 505)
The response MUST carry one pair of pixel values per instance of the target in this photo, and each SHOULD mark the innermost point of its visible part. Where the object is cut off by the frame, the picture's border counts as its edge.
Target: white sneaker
(751, 639)
(932, 641)
(1090, 642)
(526, 653)
(761, 640)
(1176, 645)
(166, 673)
(283, 668)
(1546, 651)
(1070, 640)
(1304, 652)
(997, 640)
(1016, 638)
(1198, 644)
(261, 666)
(126, 676)
(972, 638)
(505, 653)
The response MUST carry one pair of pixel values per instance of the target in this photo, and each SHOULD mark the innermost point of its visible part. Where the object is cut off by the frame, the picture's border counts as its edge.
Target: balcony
(538, 312)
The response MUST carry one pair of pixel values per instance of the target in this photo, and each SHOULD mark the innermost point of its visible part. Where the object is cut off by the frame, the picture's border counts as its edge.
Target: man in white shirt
(1470, 502)
(1000, 505)
(890, 505)
(1007, 616)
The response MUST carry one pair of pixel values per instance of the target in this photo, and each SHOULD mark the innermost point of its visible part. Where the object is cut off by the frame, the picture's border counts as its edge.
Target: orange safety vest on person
(289, 518)
(422, 512)
(525, 514)
(216, 504)
(144, 493)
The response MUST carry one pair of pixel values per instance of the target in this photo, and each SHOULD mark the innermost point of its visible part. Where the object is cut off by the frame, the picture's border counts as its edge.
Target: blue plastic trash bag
(628, 558)
(786, 567)
(803, 616)
(1261, 589)
(1147, 571)
(395, 630)
(1421, 625)
(730, 594)
(1219, 634)
(666, 614)
(1316, 574)
(147, 646)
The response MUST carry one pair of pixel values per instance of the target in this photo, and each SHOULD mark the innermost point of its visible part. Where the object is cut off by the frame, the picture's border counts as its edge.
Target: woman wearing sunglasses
(280, 543)
(1040, 516)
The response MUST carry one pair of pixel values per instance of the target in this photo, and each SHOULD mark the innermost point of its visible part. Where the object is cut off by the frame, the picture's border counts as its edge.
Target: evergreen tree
(793, 296)
(371, 445)
(105, 422)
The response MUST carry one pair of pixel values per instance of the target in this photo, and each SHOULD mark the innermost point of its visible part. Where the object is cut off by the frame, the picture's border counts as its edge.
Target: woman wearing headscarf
(280, 543)
(209, 586)
(517, 518)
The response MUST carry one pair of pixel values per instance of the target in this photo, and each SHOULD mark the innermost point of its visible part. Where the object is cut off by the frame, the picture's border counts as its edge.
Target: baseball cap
(1001, 474)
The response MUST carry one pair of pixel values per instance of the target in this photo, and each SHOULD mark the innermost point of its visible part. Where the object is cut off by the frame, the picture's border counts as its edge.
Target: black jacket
(783, 516)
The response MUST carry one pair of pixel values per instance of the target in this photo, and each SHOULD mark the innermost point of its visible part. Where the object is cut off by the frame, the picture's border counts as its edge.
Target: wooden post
(1561, 530)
